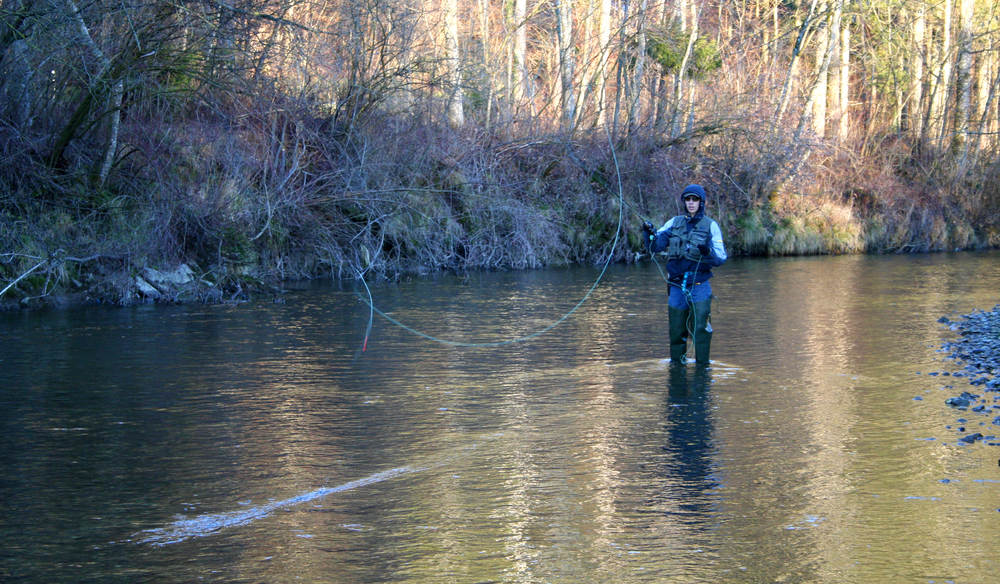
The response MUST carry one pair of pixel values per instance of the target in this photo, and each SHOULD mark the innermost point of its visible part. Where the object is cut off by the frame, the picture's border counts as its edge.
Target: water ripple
(203, 525)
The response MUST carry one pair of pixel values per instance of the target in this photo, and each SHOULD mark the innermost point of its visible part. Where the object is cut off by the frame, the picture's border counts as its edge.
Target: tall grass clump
(753, 232)
(813, 224)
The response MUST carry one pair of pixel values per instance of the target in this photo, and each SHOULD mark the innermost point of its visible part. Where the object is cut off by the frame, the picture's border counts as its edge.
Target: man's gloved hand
(648, 228)
(703, 248)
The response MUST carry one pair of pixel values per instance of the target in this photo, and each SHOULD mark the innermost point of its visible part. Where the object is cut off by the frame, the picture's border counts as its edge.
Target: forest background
(255, 141)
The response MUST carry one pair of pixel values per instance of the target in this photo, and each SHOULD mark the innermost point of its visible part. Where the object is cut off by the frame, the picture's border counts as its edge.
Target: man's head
(694, 199)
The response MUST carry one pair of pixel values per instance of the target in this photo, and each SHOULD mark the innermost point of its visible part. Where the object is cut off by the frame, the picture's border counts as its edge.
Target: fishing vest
(683, 244)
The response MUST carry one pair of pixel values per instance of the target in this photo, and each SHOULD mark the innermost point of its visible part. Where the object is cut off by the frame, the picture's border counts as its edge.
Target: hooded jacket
(681, 236)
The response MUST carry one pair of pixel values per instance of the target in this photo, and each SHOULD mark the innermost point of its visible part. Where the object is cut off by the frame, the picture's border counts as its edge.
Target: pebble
(957, 402)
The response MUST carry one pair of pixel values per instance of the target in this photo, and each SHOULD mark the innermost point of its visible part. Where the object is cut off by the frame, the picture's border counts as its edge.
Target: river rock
(178, 277)
(165, 285)
(958, 402)
(147, 289)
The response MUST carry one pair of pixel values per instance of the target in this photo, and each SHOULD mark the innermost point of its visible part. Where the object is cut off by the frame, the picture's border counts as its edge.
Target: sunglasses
(686, 199)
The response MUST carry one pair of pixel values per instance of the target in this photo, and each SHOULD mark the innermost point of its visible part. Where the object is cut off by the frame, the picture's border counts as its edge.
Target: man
(693, 243)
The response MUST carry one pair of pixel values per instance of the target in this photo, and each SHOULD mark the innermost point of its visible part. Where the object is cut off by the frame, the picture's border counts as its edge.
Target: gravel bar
(978, 350)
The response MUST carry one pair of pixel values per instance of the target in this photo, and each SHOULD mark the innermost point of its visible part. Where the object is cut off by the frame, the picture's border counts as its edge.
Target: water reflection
(800, 456)
(689, 432)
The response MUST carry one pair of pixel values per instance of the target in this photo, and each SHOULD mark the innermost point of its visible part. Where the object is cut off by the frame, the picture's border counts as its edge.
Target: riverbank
(978, 350)
(425, 199)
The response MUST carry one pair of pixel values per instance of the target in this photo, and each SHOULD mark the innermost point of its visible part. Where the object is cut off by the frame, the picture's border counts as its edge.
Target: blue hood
(697, 190)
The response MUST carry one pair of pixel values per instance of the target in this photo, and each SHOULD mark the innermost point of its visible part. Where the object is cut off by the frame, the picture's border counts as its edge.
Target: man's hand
(703, 249)
(648, 228)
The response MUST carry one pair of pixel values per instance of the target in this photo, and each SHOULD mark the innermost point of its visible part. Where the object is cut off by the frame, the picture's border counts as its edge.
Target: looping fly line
(621, 217)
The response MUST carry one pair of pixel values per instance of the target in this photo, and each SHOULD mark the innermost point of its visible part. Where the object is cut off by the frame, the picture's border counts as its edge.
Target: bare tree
(16, 83)
(963, 76)
(918, 67)
(825, 46)
(522, 84)
(691, 28)
(566, 61)
(787, 87)
(942, 83)
(604, 42)
(456, 112)
(842, 116)
(639, 70)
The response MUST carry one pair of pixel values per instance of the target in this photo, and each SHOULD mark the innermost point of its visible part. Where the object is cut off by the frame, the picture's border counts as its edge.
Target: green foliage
(753, 232)
(235, 246)
(666, 52)
(180, 74)
(707, 58)
(667, 47)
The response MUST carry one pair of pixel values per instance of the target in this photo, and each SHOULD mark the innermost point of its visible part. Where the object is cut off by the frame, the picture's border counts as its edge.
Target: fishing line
(621, 217)
(371, 312)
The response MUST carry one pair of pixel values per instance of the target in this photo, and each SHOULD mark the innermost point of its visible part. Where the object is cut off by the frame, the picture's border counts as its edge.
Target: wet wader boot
(678, 334)
(702, 331)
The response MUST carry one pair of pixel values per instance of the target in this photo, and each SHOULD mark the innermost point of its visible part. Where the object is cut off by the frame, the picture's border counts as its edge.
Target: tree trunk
(786, 88)
(16, 85)
(918, 60)
(819, 89)
(604, 38)
(456, 113)
(824, 47)
(990, 116)
(16, 70)
(487, 73)
(521, 82)
(986, 110)
(963, 76)
(620, 69)
(695, 31)
(943, 82)
(660, 102)
(678, 103)
(844, 111)
(114, 122)
(640, 68)
(103, 79)
(567, 62)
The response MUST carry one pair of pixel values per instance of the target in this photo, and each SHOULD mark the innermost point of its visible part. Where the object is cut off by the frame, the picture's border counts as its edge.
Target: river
(260, 443)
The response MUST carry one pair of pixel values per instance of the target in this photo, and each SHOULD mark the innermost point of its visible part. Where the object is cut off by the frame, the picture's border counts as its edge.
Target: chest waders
(694, 319)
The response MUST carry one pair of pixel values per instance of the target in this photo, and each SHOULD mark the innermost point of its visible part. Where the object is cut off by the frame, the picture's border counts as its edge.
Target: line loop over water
(621, 218)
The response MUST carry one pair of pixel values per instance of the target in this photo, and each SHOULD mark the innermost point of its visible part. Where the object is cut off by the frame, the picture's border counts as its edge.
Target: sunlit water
(258, 443)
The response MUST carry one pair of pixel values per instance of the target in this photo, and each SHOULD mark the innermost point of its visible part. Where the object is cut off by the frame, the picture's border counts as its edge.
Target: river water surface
(258, 443)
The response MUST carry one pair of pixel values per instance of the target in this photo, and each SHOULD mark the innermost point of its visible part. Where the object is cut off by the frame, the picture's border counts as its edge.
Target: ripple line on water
(203, 525)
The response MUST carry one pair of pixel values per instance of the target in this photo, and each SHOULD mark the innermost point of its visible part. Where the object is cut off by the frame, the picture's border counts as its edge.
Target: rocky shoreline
(978, 350)
(107, 282)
